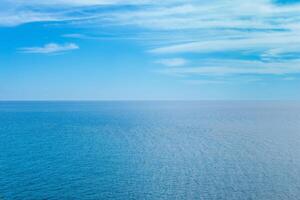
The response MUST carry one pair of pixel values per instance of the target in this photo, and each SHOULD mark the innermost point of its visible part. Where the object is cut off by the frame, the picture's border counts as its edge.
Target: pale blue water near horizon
(150, 150)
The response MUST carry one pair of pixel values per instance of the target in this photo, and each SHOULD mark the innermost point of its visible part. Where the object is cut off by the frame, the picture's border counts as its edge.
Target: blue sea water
(149, 150)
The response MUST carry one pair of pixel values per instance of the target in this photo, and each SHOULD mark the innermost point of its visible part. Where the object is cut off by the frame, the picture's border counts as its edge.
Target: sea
(123, 150)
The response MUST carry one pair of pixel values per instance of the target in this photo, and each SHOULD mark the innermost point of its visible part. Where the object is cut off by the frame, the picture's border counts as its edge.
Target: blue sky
(145, 50)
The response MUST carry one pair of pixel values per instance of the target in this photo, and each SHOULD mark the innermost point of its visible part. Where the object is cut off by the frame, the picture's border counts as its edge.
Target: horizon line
(137, 100)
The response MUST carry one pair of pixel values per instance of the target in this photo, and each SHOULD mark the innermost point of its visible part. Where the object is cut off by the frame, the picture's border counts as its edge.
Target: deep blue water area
(150, 150)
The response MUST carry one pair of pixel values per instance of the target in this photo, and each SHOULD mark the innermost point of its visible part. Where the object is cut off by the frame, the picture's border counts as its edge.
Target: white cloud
(252, 41)
(75, 35)
(237, 67)
(50, 48)
(212, 14)
(75, 2)
(258, 28)
(204, 82)
(172, 62)
(17, 12)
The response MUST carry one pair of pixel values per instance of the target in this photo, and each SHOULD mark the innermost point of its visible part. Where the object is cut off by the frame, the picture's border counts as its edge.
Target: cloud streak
(237, 67)
(263, 32)
(50, 48)
(172, 62)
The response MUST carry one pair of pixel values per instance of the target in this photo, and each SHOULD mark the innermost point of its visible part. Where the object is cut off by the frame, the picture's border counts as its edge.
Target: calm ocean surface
(149, 150)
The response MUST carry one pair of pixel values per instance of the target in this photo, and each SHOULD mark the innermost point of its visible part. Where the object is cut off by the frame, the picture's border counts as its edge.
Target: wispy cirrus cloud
(237, 67)
(248, 41)
(172, 62)
(77, 2)
(17, 12)
(264, 32)
(50, 48)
